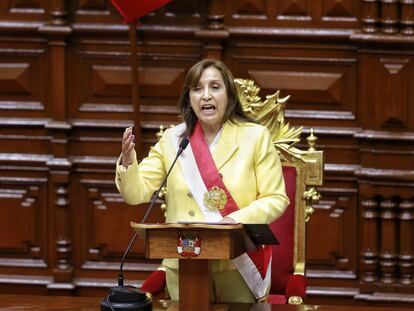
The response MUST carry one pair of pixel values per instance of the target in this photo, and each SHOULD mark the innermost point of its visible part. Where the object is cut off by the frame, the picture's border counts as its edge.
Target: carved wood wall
(65, 100)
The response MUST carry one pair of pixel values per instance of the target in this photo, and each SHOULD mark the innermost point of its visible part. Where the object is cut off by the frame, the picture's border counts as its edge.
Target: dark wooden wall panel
(65, 99)
(24, 216)
(331, 229)
(293, 13)
(22, 80)
(390, 89)
(31, 10)
(320, 88)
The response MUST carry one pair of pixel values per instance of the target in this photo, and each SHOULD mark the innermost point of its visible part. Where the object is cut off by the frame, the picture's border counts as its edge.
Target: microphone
(129, 298)
(183, 145)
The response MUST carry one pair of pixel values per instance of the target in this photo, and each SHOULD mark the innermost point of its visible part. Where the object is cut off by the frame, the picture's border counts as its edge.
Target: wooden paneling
(331, 228)
(387, 247)
(294, 10)
(347, 10)
(293, 13)
(100, 208)
(31, 10)
(65, 99)
(22, 80)
(24, 243)
(320, 85)
(391, 90)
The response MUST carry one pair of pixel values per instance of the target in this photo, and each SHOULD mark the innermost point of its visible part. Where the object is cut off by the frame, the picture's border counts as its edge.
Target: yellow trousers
(228, 286)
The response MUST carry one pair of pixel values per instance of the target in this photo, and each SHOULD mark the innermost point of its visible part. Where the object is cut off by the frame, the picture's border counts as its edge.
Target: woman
(230, 172)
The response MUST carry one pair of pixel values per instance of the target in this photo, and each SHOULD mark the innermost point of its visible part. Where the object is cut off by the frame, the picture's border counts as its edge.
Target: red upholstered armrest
(296, 286)
(155, 283)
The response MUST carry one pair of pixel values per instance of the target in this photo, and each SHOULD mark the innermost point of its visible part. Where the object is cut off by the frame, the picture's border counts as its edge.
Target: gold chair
(303, 171)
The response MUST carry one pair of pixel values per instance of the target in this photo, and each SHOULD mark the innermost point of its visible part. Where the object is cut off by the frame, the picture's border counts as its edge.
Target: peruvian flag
(131, 10)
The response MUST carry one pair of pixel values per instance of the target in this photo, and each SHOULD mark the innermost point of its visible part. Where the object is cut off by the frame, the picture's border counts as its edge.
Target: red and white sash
(200, 174)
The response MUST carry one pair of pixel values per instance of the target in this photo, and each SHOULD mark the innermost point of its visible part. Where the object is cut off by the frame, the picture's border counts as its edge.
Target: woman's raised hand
(128, 146)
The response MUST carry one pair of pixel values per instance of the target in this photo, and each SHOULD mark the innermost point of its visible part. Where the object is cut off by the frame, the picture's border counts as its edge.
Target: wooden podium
(193, 245)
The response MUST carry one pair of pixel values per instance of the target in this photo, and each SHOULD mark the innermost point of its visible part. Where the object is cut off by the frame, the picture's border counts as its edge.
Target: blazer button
(191, 213)
(189, 194)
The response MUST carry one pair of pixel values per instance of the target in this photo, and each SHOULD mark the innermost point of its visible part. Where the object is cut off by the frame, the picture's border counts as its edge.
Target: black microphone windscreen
(184, 143)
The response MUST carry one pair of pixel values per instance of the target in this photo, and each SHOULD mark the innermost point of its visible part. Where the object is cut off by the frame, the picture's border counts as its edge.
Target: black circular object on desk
(126, 298)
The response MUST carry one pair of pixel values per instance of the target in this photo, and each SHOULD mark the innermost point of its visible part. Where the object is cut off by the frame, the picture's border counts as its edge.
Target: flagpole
(135, 86)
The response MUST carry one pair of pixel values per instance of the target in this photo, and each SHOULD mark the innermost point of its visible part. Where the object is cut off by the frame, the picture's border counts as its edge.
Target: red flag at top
(131, 10)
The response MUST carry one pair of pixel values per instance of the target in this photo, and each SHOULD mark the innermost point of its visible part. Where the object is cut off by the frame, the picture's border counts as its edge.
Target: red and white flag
(131, 10)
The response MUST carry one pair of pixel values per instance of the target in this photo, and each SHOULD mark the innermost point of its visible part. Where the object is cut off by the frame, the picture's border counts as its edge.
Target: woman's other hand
(128, 146)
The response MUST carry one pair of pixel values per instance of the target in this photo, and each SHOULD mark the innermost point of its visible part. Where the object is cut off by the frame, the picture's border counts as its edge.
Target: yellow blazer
(246, 159)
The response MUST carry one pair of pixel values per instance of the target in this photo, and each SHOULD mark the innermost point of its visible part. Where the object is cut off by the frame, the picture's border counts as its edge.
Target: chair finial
(311, 140)
(160, 132)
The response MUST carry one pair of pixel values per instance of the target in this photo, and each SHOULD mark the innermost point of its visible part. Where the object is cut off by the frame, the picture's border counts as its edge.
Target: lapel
(226, 145)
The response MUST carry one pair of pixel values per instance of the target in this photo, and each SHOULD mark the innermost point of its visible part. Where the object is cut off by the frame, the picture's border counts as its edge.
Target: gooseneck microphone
(129, 298)
(181, 148)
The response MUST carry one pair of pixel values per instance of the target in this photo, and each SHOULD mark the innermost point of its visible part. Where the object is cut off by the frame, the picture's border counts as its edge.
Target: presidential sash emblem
(215, 199)
(188, 246)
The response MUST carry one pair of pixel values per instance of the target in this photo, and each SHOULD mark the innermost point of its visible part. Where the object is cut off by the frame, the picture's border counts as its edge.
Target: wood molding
(65, 101)
(385, 135)
(385, 174)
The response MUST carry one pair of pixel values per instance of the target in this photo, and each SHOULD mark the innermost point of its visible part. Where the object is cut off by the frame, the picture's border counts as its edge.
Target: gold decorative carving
(295, 300)
(160, 132)
(311, 195)
(270, 113)
(162, 196)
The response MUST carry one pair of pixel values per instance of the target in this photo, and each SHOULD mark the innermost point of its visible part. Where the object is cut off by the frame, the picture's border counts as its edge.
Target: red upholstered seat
(283, 228)
(284, 281)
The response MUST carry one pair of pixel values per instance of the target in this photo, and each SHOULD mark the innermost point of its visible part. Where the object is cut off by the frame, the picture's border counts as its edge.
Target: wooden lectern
(194, 245)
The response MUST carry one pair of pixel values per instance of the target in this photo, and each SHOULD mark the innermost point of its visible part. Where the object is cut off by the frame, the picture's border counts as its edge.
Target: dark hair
(234, 108)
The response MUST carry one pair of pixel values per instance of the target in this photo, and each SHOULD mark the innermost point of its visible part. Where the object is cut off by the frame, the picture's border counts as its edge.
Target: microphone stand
(129, 298)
